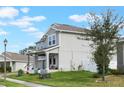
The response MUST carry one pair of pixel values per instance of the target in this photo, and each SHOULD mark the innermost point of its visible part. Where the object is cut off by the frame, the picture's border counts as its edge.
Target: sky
(22, 26)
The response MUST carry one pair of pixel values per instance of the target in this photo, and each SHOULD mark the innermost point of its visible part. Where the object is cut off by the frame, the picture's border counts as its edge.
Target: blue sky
(23, 26)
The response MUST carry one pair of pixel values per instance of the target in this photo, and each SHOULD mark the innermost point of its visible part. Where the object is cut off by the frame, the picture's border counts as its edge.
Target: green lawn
(73, 79)
(10, 84)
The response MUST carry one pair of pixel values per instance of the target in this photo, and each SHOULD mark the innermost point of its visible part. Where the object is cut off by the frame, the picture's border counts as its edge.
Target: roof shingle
(19, 57)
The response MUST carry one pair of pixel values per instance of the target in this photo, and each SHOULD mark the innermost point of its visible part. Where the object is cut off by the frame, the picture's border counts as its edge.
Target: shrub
(2, 69)
(20, 72)
(8, 69)
(114, 72)
(100, 69)
(96, 75)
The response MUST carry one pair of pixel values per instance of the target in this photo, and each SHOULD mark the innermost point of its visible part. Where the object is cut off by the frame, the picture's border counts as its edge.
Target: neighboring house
(62, 48)
(120, 55)
(16, 61)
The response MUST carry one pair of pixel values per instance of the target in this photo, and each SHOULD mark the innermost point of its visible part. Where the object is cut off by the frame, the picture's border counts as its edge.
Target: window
(52, 40)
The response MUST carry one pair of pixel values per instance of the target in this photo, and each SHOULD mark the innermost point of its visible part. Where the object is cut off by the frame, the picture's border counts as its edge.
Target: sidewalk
(2, 86)
(28, 84)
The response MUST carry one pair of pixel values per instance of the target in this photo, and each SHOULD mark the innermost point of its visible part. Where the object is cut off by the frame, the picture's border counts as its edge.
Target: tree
(104, 34)
(25, 50)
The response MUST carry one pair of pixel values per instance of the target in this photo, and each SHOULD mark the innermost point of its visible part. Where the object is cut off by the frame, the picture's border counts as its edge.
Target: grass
(10, 84)
(74, 79)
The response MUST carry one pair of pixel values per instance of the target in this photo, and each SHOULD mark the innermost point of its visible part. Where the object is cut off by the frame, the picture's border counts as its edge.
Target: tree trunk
(103, 73)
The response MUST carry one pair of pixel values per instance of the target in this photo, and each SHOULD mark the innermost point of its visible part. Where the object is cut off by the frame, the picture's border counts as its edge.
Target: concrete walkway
(29, 84)
(2, 86)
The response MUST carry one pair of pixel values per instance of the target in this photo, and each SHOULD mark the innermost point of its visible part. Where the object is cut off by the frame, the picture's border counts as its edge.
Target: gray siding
(120, 64)
(43, 45)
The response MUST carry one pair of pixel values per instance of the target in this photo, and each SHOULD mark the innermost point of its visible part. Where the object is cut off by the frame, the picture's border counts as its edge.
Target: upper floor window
(52, 40)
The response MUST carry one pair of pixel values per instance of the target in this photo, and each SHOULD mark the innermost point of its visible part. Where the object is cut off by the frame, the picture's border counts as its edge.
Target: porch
(47, 61)
(8, 64)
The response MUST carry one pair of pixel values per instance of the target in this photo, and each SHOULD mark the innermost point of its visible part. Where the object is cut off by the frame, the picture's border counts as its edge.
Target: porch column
(11, 66)
(47, 61)
(35, 61)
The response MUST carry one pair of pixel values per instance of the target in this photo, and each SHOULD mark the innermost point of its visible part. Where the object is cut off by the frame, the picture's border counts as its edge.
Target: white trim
(67, 31)
(45, 50)
(16, 61)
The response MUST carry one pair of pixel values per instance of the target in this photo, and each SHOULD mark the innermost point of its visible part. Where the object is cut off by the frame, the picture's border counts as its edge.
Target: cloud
(2, 32)
(20, 23)
(35, 18)
(26, 21)
(14, 46)
(8, 12)
(37, 35)
(79, 18)
(25, 10)
(29, 44)
(30, 29)
(3, 23)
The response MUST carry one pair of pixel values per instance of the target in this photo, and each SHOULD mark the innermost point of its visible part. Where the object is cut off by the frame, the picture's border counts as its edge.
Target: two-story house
(62, 49)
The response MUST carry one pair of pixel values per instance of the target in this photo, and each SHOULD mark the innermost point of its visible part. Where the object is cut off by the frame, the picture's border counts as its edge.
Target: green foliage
(96, 75)
(115, 72)
(104, 33)
(100, 69)
(2, 69)
(20, 72)
(8, 69)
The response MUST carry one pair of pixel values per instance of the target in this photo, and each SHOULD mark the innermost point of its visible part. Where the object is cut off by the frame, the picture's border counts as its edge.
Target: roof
(17, 57)
(66, 27)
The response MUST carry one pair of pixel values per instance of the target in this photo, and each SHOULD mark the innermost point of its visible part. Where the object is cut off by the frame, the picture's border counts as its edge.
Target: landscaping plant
(104, 34)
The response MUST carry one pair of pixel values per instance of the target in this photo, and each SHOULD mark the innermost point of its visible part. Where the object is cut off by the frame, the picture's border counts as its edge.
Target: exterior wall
(120, 57)
(21, 65)
(74, 52)
(113, 63)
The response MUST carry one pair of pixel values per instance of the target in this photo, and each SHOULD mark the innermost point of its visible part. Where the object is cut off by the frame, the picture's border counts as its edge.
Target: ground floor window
(53, 62)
